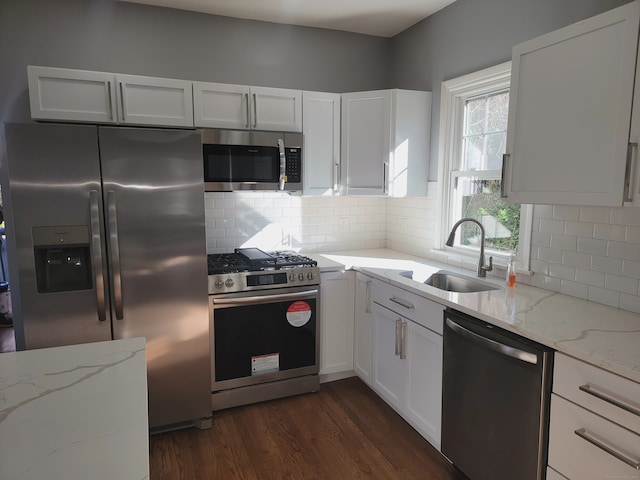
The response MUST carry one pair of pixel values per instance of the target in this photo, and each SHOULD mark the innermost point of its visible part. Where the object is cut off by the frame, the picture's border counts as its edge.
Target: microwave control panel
(294, 164)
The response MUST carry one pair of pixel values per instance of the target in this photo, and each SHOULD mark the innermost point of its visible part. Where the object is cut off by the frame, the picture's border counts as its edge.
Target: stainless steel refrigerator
(106, 240)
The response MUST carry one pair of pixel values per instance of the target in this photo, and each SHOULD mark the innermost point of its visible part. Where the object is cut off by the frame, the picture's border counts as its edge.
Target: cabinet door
(155, 101)
(71, 95)
(336, 322)
(363, 341)
(423, 381)
(388, 380)
(276, 109)
(321, 120)
(570, 111)
(219, 105)
(366, 130)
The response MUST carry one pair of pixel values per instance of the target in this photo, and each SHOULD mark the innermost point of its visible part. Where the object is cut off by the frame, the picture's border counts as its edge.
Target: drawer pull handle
(607, 397)
(610, 449)
(403, 303)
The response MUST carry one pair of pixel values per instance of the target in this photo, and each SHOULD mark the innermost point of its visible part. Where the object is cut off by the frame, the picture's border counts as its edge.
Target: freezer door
(53, 208)
(154, 202)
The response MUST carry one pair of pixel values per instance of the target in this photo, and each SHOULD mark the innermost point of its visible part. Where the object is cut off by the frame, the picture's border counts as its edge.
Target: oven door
(261, 338)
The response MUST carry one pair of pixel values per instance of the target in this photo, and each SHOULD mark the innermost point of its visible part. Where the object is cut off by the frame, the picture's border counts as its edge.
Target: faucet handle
(490, 267)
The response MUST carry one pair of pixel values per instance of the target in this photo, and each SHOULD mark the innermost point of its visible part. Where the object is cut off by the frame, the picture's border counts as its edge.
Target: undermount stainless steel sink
(455, 282)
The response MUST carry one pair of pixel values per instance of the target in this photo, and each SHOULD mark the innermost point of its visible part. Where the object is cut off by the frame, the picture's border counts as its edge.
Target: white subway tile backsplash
(586, 252)
(551, 226)
(633, 235)
(564, 212)
(595, 214)
(579, 229)
(576, 259)
(564, 242)
(625, 251)
(609, 232)
(592, 246)
(631, 268)
(606, 264)
(590, 277)
(621, 284)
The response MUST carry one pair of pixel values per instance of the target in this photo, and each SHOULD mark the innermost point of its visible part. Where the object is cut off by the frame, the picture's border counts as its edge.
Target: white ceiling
(383, 18)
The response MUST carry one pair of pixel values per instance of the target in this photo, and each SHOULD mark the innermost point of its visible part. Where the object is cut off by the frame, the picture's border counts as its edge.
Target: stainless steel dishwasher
(495, 401)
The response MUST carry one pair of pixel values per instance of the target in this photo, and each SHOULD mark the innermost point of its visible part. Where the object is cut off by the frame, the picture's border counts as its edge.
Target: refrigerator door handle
(96, 253)
(115, 253)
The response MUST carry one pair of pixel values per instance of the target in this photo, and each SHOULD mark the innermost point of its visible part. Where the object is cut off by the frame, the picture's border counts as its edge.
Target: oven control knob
(310, 275)
(292, 277)
(301, 276)
(219, 284)
(229, 283)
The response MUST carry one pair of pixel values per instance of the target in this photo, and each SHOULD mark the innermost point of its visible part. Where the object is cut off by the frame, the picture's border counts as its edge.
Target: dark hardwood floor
(342, 432)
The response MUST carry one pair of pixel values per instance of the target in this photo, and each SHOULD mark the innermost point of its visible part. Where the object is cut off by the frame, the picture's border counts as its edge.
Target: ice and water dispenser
(62, 258)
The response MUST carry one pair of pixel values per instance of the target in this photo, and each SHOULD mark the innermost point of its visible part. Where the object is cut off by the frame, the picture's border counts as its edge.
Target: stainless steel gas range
(264, 314)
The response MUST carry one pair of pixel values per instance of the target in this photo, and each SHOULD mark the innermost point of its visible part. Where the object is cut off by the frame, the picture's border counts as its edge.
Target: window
(473, 136)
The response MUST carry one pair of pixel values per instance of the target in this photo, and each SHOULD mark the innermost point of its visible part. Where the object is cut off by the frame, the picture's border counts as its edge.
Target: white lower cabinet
(363, 329)
(336, 322)
(407, 359)
(594, 432)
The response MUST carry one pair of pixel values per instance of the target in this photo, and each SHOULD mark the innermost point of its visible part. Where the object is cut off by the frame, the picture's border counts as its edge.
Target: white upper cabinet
(385, 142)
(570, 114)
(321, 121)
(101, 97)
(154, 101)
(72, 95)
(220, 105)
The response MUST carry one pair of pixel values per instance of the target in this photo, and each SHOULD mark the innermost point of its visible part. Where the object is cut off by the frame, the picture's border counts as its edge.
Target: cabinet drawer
(578, 458)
(414, 307)
(597, 390)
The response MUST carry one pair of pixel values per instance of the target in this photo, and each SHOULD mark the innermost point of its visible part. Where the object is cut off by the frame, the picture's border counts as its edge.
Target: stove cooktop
(249, 269)
(255, 260)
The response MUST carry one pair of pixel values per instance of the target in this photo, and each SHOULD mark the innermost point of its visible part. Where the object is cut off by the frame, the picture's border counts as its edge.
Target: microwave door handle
(283, 165)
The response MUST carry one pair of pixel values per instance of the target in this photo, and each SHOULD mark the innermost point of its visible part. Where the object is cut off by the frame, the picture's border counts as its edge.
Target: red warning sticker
(298, 313)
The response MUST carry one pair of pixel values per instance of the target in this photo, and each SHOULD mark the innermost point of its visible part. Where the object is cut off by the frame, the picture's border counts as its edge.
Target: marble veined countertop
(75, 412)
(598, 334)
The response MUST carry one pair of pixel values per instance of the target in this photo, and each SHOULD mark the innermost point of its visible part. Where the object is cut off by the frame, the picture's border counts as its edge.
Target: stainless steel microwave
(251, 160)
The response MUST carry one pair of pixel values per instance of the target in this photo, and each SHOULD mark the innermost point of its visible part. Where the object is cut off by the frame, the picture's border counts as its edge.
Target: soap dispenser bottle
(511, 271)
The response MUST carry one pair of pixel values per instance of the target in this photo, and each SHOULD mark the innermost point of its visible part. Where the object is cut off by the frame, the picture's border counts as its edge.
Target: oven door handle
(262, 298)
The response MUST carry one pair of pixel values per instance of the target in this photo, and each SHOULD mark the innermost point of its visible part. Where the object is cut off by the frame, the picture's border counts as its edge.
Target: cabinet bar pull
(607, 397)
(246, 102)
(403, 340)
(368, 295)
(122, 100)
(403, 303)
(109, 99)
(503, 189)
(398, 335)
(255, 111)
(628, 189)
(610, 449)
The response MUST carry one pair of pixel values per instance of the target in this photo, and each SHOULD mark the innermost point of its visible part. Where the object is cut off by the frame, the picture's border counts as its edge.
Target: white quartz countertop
(603, 336)
(75, 412)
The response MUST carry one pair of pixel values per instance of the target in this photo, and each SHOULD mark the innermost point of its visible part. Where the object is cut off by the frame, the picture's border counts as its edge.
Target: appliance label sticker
(298, 313)
(265, 364)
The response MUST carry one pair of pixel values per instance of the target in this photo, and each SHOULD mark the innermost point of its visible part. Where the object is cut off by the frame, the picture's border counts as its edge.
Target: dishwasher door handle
(492, 344)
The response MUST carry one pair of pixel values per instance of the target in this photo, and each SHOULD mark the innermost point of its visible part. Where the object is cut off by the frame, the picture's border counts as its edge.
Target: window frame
(454, 94)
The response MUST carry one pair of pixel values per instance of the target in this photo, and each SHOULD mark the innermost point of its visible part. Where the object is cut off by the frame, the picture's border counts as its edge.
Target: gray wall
(129, 38)
(469, 35)
(138, 39)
